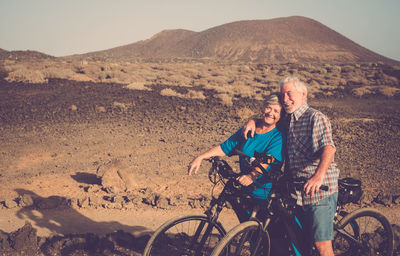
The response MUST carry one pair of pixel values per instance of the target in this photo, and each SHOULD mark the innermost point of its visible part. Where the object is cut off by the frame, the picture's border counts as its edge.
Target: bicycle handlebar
(226, 171)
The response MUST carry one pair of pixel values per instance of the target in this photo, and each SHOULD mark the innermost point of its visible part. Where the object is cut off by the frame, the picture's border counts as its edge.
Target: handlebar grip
(324, 187)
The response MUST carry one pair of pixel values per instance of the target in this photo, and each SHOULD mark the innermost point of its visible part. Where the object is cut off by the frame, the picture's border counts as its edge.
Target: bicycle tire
(242, 237)
(178, 236)
(364, 232)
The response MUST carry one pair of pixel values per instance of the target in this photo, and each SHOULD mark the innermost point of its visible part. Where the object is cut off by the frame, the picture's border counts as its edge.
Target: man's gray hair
(298, 84)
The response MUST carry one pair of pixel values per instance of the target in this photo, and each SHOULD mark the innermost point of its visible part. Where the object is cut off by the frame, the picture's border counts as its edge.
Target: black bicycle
(363, 232)
(199, 234)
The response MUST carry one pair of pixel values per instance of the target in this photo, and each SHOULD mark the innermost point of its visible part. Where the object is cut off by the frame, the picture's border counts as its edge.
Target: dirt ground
(55, 136)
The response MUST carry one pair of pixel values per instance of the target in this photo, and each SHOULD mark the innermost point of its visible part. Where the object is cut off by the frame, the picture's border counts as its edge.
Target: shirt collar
(300, 111)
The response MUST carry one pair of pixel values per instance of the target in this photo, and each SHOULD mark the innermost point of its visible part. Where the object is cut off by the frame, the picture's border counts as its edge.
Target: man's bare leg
(324, 248)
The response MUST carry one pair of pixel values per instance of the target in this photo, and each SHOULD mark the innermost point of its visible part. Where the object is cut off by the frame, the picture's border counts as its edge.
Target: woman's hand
(246, 179)
(194, 165)
(249, 127)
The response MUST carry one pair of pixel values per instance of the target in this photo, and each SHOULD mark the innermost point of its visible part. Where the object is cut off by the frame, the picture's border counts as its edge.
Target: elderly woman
(268, 140)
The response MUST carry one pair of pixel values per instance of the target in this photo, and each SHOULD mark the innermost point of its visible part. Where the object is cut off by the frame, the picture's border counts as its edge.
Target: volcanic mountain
(291, 39)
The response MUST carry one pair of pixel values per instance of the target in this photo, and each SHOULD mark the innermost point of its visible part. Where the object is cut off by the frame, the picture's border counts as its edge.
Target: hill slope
(291, 39)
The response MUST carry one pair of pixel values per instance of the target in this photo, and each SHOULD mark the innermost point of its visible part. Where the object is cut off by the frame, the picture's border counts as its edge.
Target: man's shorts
(319, 217)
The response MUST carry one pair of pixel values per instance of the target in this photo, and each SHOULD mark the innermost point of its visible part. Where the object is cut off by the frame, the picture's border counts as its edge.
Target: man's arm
(250, 126)
(315, 182)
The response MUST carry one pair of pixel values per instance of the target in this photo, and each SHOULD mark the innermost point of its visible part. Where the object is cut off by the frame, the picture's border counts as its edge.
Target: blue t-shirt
(270, 143)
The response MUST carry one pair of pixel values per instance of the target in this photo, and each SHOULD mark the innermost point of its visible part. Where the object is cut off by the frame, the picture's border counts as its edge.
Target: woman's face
(272, 114)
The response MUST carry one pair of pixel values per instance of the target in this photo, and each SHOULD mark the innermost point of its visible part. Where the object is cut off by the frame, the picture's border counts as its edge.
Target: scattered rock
(178, 200)
(134, 198)
(4, 244)
(150, 198)
(93, 188)
(50, 202)
(10, 203)
(162, 202)
(115, 177)
(83, 202)
(95, 201)
(396, 200)
(24, 241)
(73, 108)
(101, 109)
(128, 179)
(26, 200)
(384, 199)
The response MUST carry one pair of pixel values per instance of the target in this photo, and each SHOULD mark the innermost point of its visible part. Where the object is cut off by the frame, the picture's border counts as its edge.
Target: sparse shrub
(58, 72)
(73, 107)
(362, 91)
(170, 92)
(140, 86)
(81, 78)
(225, 98)
(388, 91)
(101, 109)
(347, 69)
(191, 94)
(26, 76)
(120, 106)
(196, 95)
(245, 113)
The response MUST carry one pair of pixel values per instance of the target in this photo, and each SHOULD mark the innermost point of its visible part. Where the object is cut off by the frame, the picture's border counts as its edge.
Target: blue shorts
(318, 218)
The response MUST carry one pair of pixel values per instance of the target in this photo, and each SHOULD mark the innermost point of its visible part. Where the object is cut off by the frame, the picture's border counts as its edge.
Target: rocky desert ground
(93, 155)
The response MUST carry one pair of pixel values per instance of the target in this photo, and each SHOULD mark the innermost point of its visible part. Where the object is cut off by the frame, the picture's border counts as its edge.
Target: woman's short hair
(272, 98)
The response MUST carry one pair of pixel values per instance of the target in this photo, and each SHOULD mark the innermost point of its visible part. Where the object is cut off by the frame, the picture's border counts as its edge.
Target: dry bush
(245, 113)
(25, 75)
(244, 91)
(196, 95)
(388, 91)
(140, 86)
(121, 107)
(170, 92)
(362, 91)
(389, 80)
(58, 72)
(190, 95)
(221, 80)
(178, 79)
(225, 98)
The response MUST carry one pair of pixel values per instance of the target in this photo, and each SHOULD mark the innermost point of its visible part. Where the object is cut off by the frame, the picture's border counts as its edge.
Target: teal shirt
(270, 143)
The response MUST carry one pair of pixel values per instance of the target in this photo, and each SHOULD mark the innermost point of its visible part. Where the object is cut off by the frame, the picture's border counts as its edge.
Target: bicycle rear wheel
(245, 239)
(364, 232)
(185, 235)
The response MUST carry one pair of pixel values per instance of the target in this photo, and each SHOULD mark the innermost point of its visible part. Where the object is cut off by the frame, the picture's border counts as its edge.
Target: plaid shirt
(308, 132)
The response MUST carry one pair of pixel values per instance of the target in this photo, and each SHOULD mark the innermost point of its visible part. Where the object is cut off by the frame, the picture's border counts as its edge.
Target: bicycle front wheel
(364, 232)
(245, 239)
(185, 235)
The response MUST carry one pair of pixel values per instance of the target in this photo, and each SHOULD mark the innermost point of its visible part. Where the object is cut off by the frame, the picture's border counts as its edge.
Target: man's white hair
(298, 84)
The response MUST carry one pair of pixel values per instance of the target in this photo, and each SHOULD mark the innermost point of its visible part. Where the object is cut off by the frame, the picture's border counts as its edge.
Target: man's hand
(194, 166)
(249, 127)
(313, 184)
(245, 180)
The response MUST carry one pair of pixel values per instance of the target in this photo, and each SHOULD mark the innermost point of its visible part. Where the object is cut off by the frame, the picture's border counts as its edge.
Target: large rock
(24, 241)
(116, 177)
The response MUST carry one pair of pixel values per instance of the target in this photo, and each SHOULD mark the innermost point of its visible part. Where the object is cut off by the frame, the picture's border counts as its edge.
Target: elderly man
(310, 154)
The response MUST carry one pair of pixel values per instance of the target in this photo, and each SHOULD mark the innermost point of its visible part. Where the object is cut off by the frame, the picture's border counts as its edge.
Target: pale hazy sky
(65, 27)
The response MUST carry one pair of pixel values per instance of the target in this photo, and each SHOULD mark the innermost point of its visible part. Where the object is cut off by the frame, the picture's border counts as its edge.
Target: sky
(66, 27)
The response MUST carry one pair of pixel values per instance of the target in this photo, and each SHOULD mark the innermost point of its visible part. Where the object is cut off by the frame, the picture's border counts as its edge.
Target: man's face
(272, 114)
(291, 97)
